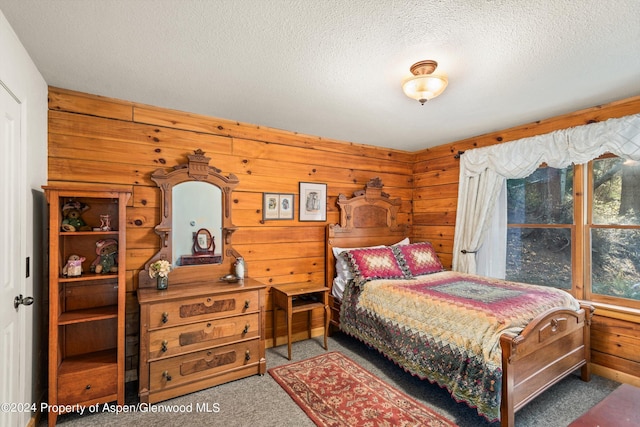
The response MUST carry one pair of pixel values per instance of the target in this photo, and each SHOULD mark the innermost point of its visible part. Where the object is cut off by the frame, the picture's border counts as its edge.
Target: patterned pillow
(343, 268)
(374, 263)
(418, 258)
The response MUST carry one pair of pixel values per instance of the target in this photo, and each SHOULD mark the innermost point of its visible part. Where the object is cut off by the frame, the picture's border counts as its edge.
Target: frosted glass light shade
(424, 85)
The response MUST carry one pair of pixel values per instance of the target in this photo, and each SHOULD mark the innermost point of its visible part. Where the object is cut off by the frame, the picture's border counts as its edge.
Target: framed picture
(202, 240)
(286, 206)
(313, 201)
(277, 206)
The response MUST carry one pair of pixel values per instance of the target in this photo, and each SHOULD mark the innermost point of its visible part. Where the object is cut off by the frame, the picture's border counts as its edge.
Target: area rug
(334, 391)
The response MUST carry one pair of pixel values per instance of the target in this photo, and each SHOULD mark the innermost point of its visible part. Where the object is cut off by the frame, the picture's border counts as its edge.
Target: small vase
(163, 282)
(239, 268)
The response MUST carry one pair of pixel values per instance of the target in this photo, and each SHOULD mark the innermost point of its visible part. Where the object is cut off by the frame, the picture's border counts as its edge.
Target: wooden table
(298, 297)
(620, 409)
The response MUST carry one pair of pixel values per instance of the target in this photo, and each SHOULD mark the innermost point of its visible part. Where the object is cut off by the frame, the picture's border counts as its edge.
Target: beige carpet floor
(259, 401)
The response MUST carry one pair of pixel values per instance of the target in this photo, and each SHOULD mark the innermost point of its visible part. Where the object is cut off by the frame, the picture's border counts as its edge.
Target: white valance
(484, 171)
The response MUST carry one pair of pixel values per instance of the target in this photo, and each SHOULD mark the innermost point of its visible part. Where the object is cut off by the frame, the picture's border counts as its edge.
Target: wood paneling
(616, 344)
(66, 100)
(194, 122)
(93, 139)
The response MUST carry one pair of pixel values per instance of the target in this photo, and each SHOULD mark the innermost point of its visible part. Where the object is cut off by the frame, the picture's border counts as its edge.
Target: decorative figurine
(71, 211)
(107, 251)
(73, 268)
(105, 222)
(239, 264)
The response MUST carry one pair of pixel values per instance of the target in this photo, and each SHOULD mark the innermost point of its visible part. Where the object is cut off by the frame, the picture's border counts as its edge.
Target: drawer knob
(246, 304)
(166, 375)
(246, 329)
(163, 348)
(165, 317)
(88, 387)
(247, 355)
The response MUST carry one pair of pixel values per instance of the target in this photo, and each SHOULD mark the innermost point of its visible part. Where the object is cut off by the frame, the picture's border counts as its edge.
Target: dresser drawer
(87, 385)
(203, 308)
(180, 339)
(197, 366)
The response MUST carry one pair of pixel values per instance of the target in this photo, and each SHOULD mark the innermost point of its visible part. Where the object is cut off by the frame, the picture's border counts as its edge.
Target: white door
(12, 277)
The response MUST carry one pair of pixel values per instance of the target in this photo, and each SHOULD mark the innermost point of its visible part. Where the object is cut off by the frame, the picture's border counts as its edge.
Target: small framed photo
(202, 240)
(286, 206)
(277, 206)
(313, 201)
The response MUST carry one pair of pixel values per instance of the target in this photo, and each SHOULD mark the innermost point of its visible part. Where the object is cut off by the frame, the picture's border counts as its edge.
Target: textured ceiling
(333, 68)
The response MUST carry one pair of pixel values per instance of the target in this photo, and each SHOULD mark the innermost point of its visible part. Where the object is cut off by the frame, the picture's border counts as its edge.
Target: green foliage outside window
(615, 241)
(540, 217)
(539, 254)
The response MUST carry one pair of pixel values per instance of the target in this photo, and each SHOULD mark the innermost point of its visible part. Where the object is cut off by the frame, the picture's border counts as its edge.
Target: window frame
(588, 226)
(576, 277)
(581, 253)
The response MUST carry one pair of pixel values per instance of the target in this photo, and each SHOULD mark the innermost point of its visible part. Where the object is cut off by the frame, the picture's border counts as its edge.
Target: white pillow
(404, 241)
(343, 271)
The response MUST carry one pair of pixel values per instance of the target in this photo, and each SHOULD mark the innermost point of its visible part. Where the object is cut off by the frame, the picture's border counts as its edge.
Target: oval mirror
(203, 242)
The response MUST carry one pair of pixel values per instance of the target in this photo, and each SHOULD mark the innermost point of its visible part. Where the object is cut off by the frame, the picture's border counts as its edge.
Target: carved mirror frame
(196, 169)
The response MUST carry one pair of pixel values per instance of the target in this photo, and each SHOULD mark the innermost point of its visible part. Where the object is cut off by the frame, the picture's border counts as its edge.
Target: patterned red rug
(334, 391)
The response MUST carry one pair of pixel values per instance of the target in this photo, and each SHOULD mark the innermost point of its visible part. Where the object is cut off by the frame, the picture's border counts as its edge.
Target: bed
(519, 340)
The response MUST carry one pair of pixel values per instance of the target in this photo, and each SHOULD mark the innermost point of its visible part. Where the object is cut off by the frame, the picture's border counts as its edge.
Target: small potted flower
(160, 270)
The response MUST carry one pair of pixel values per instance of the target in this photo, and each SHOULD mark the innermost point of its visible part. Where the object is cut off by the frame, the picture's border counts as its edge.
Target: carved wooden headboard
(368, 218)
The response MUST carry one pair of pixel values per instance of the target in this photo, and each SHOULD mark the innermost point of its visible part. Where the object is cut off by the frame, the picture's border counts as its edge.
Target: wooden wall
(615, 332)
(99, 140)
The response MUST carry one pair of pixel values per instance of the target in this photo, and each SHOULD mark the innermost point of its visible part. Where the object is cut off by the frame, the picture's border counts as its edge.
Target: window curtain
(481, 228)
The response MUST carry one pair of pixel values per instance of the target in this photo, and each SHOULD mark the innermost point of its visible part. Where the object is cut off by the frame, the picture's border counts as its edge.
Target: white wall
(20, 75)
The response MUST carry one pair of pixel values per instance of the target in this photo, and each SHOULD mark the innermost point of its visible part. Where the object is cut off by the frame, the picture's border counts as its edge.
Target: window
(540, 228)
(613, 229)
(551, 242)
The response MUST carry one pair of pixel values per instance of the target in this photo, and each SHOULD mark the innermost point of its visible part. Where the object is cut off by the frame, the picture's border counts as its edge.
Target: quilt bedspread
(446, 327)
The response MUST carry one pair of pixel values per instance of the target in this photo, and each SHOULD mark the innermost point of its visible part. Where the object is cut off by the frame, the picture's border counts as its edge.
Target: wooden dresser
(199, 335)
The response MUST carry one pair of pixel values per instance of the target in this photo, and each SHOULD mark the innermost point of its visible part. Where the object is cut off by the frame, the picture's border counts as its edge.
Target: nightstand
(297, 297)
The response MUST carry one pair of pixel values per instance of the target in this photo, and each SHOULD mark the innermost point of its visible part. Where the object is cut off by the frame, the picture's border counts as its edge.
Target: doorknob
(22, 300)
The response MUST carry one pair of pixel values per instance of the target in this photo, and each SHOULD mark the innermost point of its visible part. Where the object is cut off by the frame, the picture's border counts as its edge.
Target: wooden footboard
(552, 346)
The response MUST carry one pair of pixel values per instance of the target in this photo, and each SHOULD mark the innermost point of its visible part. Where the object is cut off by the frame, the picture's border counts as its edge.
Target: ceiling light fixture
(424, 85)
